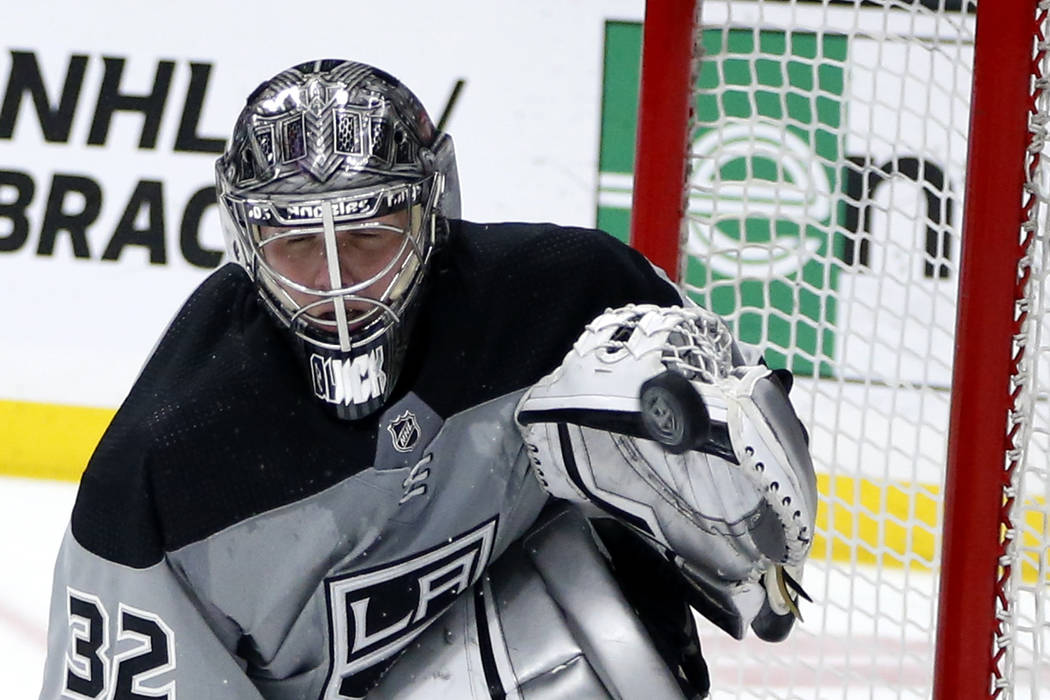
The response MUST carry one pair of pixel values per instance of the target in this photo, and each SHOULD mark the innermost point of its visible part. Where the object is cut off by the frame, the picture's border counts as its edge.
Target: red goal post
(989, 521)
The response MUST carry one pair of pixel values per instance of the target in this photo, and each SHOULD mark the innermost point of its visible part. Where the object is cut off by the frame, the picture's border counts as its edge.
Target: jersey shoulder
(508, 300)
(204, 437)
(114, 514)
(570, 256)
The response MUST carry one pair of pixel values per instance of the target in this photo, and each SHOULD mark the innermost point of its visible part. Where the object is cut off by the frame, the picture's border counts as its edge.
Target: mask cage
(331, 216)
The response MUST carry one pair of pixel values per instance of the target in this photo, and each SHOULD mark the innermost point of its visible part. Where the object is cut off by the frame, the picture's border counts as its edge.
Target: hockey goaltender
(389, 453)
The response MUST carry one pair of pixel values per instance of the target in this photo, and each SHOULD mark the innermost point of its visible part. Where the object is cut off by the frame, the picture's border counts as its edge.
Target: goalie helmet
(332, 192)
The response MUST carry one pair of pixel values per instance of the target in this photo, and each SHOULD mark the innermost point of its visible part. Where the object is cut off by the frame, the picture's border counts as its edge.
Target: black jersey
(231, 538)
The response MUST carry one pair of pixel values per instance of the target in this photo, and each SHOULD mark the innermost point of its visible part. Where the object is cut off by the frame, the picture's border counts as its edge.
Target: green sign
(764, 184)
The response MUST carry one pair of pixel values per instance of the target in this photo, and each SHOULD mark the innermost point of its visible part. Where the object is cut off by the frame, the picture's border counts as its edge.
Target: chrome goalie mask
(330, 194)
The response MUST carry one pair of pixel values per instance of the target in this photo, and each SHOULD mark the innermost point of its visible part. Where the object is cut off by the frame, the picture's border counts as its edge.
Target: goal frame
(980, 440)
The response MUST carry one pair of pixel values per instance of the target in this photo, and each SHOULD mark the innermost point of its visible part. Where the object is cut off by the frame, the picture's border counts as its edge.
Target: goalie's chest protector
(317, 548)
(368, 562)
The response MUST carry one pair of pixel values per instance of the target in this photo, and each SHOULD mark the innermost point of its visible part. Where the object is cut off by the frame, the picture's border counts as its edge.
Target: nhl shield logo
(404, 431)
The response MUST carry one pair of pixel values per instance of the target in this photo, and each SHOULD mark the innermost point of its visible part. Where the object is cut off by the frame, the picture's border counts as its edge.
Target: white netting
(828, 155)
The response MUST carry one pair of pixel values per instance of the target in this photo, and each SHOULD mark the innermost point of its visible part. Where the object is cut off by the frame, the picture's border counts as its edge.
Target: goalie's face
(339, 269)
(347, 278)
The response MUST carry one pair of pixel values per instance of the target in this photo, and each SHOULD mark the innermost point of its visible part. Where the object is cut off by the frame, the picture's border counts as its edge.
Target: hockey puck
(673, 413)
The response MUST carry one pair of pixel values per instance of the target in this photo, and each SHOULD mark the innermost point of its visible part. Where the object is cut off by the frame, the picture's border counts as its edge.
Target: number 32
(88, 672)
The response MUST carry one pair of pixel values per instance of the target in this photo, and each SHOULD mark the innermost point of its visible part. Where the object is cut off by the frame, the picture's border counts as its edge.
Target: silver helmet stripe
(335, 278)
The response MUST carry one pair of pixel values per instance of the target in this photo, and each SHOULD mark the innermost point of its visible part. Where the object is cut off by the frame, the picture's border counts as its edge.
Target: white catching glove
(648, 419)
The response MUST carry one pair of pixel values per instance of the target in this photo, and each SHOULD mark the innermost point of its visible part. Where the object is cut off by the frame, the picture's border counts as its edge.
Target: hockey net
(823, 151)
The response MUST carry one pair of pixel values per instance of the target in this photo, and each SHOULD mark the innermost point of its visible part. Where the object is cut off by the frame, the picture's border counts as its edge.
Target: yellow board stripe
(897, 524)
(49, 441)
(863, 520)
(873, 522)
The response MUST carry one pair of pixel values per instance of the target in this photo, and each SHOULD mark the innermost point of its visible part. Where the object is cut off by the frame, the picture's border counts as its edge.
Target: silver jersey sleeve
(118, 631)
